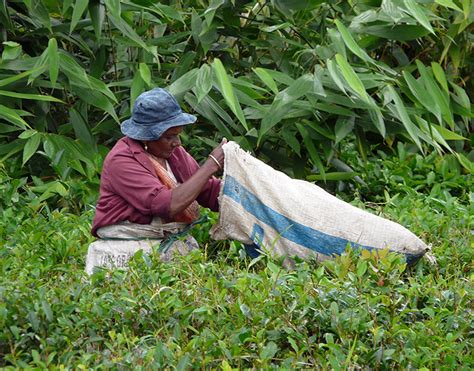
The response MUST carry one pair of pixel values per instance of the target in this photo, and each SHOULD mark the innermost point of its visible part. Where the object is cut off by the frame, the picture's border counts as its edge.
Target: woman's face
(164, 146)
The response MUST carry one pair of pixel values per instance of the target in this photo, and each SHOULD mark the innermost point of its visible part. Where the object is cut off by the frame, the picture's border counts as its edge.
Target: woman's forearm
(184, 194)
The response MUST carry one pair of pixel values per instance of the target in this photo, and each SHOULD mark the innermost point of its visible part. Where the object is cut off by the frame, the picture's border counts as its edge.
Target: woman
(148, 180)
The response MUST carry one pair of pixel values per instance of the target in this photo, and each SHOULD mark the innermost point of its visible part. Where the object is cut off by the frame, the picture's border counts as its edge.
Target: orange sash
(188, 215)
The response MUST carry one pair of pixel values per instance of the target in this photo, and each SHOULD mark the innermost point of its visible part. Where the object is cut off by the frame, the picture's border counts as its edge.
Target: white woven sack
(116, 253)
(113, 253)
(292, 217)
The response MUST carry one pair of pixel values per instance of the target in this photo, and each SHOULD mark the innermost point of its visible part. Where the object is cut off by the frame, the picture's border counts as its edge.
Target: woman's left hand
(217, 155)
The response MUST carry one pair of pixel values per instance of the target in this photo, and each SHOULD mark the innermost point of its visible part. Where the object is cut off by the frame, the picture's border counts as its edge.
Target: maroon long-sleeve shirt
(130, 189)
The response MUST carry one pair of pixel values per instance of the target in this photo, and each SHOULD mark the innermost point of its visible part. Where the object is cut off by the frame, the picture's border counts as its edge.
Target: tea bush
(216, 308)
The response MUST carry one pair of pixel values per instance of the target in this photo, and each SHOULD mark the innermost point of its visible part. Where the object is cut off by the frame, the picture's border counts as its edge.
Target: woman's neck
(161, 160)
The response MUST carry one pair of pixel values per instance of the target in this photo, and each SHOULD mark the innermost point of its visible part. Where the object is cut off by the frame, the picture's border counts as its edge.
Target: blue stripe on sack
(293, 231)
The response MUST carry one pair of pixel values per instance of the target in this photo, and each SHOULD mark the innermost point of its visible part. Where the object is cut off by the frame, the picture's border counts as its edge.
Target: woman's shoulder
(124, 150)
(124, 147)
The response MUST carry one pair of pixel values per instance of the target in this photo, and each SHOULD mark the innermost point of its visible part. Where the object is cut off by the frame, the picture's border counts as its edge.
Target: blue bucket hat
(153, 113)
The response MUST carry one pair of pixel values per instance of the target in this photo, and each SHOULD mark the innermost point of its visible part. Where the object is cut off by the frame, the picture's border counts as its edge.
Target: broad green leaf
(440, 98)
(204, 82)
(333, 108)
(128, 32)
(465, 162)
(11, 115)
(38, 13)
(145, 73)
(215, 107)
(169, 12)
(53, 60)
(432, 132)
(31, 146)
(283, 103)
(419, 91)
(79, 7)
(267, 79)
(417, 12)
(19, 76)
(404, 117)
(73, 70)
(319, 128)
(100, 86)
(51, 189)
(44, 98)
(337, 42)
(137, 87)
(211, 10)
(449, 4)
(205, 110)
(466, 6)
(95, 99)
(292, 141)
(184, 83)
(6, 128)
(27, 134)
(344, 126)
(377, 118)
(404, 32)
(11, 50)
(66, 4)
(228, 91)
(440, 76)
(81, 128)
(448, 134)
(5, 17)
(277, 27)
(318, 87)
(113, 6)
(352, 79)
(97, 13)
(351, 43)
(270, 349)
(313, 153)
(278, 76)
(335, 75)
(461, 97)
(40, 66)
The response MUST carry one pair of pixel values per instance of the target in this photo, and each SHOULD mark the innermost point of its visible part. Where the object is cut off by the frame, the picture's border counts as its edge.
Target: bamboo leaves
(31, 145)
(402, 115)
(417, 12)
(283, 103)
(278, 82)
(53, 60)
(351, 43)
(79, 7)
(352, 79)
(228, 91)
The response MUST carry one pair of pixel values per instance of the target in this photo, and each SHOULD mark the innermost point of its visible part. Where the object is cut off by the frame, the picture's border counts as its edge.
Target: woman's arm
(183, 195)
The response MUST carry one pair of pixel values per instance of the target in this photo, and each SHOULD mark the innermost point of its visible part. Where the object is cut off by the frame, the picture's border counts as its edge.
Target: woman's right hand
(218, 154)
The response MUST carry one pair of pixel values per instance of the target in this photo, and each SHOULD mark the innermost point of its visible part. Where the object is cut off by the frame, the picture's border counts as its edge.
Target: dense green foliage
(370, 98)
(288, 80)
(216, 308)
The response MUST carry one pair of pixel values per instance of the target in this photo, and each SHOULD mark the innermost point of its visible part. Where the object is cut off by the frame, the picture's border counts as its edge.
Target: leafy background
(370, 99)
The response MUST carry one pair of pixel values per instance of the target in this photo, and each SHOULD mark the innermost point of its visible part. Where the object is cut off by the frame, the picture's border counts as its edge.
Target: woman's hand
(217, 156)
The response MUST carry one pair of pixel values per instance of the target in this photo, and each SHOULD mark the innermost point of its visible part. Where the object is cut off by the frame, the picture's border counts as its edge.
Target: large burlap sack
(291, 217)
